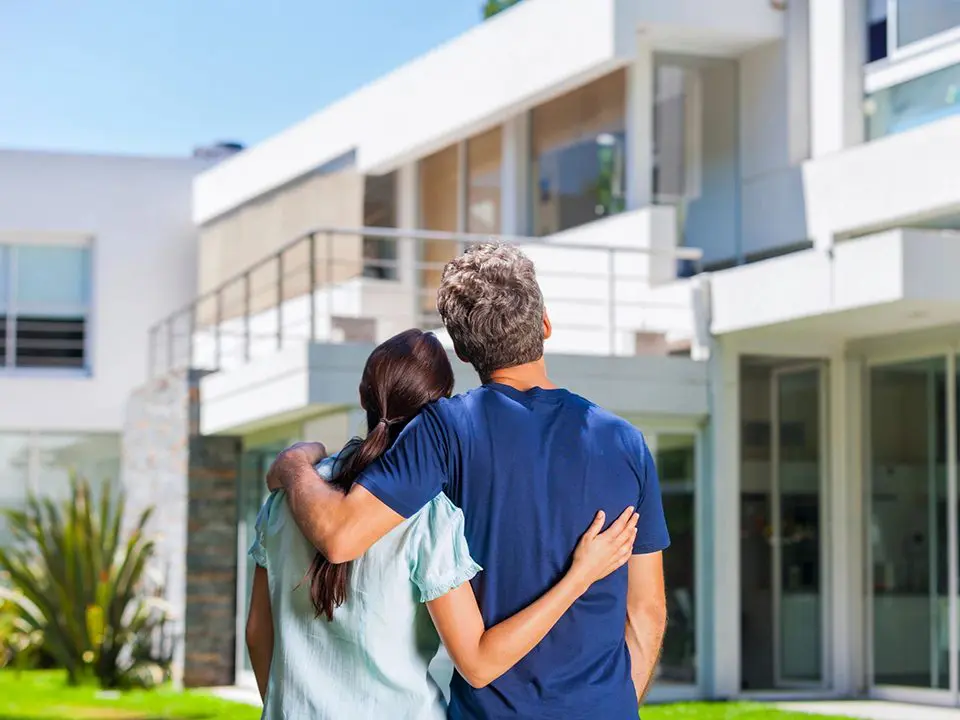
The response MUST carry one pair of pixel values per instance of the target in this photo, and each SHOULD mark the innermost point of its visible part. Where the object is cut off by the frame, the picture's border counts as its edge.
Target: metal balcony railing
(366, 284)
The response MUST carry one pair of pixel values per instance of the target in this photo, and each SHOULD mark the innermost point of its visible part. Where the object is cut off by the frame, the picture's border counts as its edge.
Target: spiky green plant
(84, 580)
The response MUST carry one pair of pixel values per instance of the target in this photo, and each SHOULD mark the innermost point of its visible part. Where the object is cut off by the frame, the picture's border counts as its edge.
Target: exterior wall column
(837, 51)
(408, 249)
(515, 176)
(640, 97)
(843, 523)
(719, 656)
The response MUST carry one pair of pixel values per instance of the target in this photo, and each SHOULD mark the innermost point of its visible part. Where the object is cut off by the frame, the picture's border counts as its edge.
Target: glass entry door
(798, 462)
(782, 549)
(908, 530)
(252, 493)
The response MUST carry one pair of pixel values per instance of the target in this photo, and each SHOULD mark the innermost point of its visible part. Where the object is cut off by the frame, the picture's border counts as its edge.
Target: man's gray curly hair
(492, 307)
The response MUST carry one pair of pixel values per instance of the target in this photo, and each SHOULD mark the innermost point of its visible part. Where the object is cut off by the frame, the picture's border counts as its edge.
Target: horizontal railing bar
(680, 253)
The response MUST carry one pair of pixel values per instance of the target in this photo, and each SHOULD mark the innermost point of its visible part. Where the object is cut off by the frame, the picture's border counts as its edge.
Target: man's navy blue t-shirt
(530, 470)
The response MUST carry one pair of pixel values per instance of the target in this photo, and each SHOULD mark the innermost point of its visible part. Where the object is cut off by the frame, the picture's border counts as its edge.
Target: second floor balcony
(611, 288)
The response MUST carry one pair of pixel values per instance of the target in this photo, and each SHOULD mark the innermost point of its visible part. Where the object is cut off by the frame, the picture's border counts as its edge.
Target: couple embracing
(519, 523)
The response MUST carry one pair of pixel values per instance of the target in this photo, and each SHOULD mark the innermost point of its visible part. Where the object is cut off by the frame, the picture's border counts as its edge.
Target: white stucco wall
(470, 84)
(137, 213)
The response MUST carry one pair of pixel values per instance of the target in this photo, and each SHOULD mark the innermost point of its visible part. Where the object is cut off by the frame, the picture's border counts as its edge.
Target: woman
(354, 640)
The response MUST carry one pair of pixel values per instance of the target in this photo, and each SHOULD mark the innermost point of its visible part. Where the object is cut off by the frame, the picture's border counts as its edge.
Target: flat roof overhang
(309, 379)
(897, 281)
(471, 83)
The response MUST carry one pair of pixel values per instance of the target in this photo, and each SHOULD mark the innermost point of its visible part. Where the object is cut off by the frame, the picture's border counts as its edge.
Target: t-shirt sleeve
(652, 534)
(414, 470)
(439, 557)
(258, 550)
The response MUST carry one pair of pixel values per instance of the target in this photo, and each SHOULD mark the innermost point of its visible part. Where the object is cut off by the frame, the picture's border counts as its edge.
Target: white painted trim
(953, 566)
(639, 124)
(905, 66)
(723, 558)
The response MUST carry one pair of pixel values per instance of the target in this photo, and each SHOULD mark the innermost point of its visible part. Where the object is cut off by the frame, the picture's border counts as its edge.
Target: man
(529, 464)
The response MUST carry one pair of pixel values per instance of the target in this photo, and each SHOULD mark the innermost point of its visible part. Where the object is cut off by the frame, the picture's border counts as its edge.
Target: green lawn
(45, 696)
(724, 711)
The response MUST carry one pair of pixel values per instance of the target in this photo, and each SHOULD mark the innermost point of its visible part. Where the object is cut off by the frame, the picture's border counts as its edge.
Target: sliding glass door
(911, 528)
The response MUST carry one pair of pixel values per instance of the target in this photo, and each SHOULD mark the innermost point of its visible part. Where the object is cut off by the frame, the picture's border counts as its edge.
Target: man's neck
(523, 377)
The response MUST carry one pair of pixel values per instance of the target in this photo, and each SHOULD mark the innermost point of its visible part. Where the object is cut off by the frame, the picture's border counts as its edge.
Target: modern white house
(744, 216)
(93, 251)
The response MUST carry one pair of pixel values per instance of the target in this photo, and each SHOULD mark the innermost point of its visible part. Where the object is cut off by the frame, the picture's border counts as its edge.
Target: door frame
(950, 696)
(821, 368)
(652, 428)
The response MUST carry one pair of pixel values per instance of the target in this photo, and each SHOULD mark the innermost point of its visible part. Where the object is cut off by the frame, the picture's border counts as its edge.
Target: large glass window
(43, 463)
(923, 19)
(14, 475)
(440, 189)
(907, 529)
(781, 573)
(44, 304)
(578, 146)
(677, 466)
(483, 183)
(380, 211)
(911, 21)
(913, 103)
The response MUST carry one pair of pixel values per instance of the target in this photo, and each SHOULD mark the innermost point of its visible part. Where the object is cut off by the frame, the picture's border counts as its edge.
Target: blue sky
(157, 77)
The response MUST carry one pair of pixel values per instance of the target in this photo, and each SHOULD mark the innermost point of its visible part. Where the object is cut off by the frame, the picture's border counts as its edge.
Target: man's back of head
(492, 307)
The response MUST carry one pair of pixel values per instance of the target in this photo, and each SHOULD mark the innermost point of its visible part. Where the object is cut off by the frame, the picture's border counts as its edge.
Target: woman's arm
(482, 655)
(260, 630)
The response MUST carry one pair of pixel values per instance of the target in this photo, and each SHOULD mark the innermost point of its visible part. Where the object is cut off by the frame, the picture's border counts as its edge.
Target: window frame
(9, 245)
(911, 61)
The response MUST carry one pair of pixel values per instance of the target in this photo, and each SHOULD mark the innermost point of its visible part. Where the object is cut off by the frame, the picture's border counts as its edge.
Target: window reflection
(908, 524)
(676, 464)
(439, 210)
(380, 210)
(44, 463)
(913, 103)
(483, 183)
(94, 458)
(578, 156)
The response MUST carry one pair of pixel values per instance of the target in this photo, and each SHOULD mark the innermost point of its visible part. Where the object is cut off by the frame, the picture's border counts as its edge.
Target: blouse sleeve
(439, 556)
(258, 551)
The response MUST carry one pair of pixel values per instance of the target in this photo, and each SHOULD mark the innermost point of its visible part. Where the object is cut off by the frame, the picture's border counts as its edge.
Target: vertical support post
(933, 495)
(313, 286)
(246, 316)
(612, 299)
(329, 271)
(640, 96)
(953, 584)
(170, 358)
(218, 330)
(151, 353)
(280, 300)
(191, 331)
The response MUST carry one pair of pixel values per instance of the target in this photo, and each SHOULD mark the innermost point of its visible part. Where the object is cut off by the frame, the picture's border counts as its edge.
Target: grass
(725, 711)
(45, 696)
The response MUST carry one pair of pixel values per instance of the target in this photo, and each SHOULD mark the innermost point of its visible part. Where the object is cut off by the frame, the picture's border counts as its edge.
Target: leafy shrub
(82, 584)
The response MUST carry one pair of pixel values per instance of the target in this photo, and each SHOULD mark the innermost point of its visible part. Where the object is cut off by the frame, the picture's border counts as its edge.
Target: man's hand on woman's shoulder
(293, 460)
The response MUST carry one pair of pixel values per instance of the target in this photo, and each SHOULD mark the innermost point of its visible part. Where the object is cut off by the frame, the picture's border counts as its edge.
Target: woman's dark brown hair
(402, 375)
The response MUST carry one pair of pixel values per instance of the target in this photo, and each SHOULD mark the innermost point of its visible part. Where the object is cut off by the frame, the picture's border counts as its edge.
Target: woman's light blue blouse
(372, 660)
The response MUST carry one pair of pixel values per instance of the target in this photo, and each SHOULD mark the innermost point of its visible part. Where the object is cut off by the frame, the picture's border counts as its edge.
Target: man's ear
(547, 327)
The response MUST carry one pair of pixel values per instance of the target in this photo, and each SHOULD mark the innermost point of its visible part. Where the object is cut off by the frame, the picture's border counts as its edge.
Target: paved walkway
(873, 710)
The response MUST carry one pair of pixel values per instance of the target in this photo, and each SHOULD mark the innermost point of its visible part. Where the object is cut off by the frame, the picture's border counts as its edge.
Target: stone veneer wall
(191, 481)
